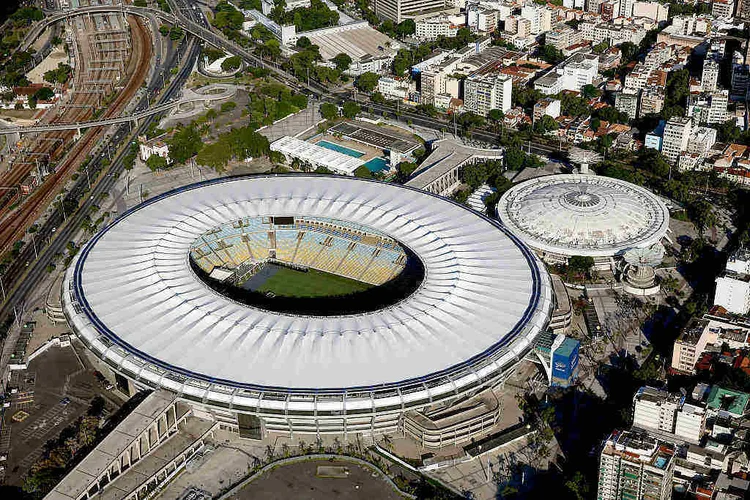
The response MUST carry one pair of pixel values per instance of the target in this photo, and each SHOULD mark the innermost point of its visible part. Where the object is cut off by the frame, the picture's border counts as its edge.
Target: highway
(26, 271)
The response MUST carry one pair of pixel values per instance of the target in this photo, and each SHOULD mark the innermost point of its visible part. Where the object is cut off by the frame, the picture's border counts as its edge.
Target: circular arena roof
(583, 215)
(134, 299)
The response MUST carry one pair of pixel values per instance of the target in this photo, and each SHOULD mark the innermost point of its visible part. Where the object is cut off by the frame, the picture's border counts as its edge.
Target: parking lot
(51, 394)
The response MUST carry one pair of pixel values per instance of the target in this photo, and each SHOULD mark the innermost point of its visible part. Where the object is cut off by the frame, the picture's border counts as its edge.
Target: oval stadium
(561, 216)
(307, 303)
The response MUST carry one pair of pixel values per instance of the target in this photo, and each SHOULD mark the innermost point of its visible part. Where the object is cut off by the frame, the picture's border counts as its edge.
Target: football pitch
(287, 282)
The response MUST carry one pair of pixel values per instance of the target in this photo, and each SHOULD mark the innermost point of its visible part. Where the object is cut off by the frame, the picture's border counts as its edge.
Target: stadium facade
(561, 216)
(138, 297)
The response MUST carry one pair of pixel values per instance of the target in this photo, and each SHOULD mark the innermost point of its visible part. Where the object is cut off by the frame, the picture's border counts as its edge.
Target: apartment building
(483, 93)
(574, 73)
(710, 75)
(429, 28)
(635, 465)
(667, 415)
(482, 20)
(398, 10)
(676, 136)
(699, 334)
(723, 9)
(652, 100)
(733, 286)
(627, 102)
(546, 107)
(539, 16)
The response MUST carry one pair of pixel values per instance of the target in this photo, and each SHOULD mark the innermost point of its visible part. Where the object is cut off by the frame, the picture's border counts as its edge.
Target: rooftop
(733, 402)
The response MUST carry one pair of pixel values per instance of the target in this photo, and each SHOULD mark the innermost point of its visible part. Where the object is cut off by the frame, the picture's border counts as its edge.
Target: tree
(406, 28)
(303, 42)
(215, 155)
(156, 162)
(342, 61)
(551, 54)
(580, 265)
(366, 82)
(590, 92)
(329, 111)
(231, 64)
(350, 109)
(363, 172)
(184, 144)
(405, 169)
(43, 94)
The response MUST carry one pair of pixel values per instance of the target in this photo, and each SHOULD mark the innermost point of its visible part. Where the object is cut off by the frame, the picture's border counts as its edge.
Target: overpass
(192, 96)
(178, 19)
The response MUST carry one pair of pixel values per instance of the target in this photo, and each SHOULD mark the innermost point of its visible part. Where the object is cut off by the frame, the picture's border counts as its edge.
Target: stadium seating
(328, 245)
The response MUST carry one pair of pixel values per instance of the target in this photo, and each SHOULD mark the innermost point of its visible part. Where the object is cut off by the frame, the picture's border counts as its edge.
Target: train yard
(111, 55)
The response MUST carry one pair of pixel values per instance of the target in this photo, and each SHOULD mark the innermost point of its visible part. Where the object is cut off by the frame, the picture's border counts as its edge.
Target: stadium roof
(133, 298)
(584, 215)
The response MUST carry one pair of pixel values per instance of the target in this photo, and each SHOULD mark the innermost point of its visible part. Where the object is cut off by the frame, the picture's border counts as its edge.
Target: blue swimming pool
(377, 165)
(341, 149)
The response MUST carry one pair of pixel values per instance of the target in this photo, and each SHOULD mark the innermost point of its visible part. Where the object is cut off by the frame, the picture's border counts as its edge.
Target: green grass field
(290, 283)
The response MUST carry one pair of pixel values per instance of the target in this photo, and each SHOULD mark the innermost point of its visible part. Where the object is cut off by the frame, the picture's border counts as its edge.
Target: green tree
(342, 61)
(363, 172)
(329, 111)
(366, 82)
(215, 155)
(43, 94)
(184, 144)
(156, 162)
(406, 28)
(580, 265)
(231, 64)
(350, 109)
(405, 169)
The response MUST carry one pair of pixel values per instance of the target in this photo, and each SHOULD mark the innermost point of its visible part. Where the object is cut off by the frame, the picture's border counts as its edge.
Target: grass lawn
(290, 283)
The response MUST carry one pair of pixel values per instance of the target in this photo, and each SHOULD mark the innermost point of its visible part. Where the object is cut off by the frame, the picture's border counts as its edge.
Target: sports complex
(308, 303)
(561, 216)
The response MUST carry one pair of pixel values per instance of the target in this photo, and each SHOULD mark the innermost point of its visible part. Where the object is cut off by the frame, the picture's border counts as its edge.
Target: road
(26, 270)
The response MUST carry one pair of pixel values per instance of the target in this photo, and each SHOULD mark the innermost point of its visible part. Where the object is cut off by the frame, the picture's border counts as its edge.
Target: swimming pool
(377, 165)
(341, 149)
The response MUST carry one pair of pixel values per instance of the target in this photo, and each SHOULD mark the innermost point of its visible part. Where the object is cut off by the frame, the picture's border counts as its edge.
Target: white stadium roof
(583, 215)
(133, 298)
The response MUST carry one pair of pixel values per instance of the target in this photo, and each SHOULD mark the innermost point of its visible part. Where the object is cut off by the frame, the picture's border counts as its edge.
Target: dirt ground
(299, 480)
(50, 62)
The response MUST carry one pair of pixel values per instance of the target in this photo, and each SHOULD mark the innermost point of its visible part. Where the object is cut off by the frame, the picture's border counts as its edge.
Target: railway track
(17, 221)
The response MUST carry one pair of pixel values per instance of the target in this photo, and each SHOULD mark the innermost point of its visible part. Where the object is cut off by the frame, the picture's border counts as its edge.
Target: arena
(307, 303)
(560, 216)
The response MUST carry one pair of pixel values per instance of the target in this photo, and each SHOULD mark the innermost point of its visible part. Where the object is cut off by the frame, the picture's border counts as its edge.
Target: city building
(426, 359)
(722, 9)
(710, 75)
(655, 11)
(627, 102)
(668, 416)
(635, 465)
(398, 10)
(709, 107)
(653, 139)
(733, 286)
(574, 73)
(701, 334)
(393, 88)
(546, 107)
(482, 20)
(676, 136)
(560, 216)
(539, 16)
(154, 147)
(701, 141)
(483, 93)
(652, 100)
(317, 156)
(431, 26)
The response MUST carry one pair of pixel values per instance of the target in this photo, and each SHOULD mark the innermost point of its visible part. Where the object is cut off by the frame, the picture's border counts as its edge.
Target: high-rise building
(676, 136)
(627, 102)
(666, 414)
(540, 17)
(733, 286)
(483, 93)
(710, 75)
(743, 10)
(626, 8)
(635, 465)
(398, 10)
(723, 9)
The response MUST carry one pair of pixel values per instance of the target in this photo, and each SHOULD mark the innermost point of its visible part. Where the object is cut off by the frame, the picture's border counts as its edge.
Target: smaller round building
(560, 216)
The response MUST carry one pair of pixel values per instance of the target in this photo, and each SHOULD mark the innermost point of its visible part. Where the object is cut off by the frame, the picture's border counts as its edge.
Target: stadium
(307, 303)
(561, 216)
